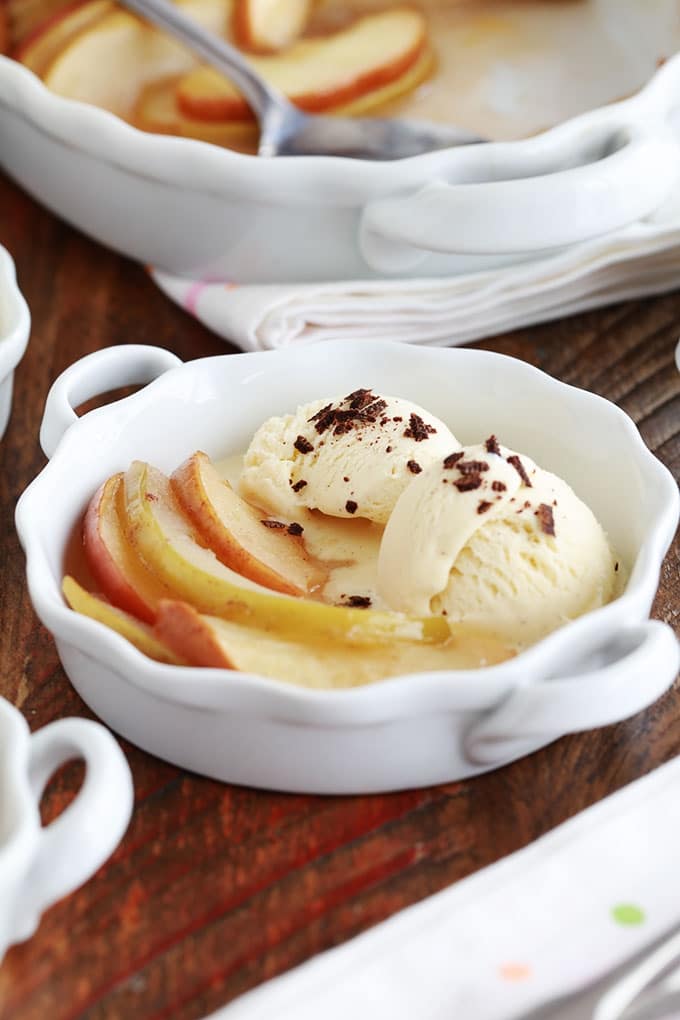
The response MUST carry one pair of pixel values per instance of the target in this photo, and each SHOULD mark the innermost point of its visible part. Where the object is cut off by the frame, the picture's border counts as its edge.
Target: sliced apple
(213, 642)
(265, 26)
(25, 17)
(43, 45)
(164, 539)
(124, 579)
(138, 634)
(110, 62)
(156, 110)
(239, 535)
(321, 73)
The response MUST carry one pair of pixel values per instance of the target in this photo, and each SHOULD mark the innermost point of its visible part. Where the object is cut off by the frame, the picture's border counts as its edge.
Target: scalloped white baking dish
(193, 209)
(15, 325)
(409, 731)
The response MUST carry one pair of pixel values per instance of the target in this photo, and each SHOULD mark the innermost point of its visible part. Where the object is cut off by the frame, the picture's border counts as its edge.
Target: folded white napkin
(548, 919)
(641, 259)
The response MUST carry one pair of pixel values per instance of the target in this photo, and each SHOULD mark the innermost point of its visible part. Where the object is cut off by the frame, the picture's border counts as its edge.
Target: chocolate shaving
(472, 467)
(483, 506)
(321, 413)
(546, 519)
(498, 486)
(363, 408)
(398, 418)
(295, 529)
(274, 524)
(299, 485)
(357, 601)
(616, 567)
(359, 399)
(303, 445)
(492, 446)
(414, 467)
(519, 468)
(351, 507)
(468, 482)
(417, 429)
(453, 459)
(388, 449)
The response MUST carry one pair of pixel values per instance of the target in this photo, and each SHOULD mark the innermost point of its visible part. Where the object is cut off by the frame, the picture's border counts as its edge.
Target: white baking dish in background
(15, 324)
(408, 731)
(193, 209)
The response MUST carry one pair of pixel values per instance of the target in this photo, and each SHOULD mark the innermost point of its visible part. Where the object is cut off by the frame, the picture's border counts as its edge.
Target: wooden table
(215, 889)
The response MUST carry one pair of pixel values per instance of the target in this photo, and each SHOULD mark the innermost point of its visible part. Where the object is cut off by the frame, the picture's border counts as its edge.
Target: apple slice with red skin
(164, 539)
(137, 633)
(124, 579)
(43, 45)
(157, 110)
(266, 26)
(268, 552)
(221, 644)
(318, 74)
(110, 62)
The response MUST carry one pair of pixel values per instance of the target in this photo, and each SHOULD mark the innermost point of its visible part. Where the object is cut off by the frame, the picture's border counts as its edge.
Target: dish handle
(74, 845)
(617, 679)
(570, 185)
(93, 375)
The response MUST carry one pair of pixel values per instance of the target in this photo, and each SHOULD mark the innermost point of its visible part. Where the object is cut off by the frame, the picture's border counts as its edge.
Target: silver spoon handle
(218, 53)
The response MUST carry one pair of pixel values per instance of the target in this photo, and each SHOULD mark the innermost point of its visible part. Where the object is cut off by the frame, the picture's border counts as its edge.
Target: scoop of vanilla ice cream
(350, 456)
(488, 538)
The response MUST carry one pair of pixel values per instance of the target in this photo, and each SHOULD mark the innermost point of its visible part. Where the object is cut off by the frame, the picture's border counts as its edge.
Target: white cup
(39, 865)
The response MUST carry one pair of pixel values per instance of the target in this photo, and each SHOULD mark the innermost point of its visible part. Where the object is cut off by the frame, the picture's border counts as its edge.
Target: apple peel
(164, 539)
(137, 633)
(320, 73)
(237, 533)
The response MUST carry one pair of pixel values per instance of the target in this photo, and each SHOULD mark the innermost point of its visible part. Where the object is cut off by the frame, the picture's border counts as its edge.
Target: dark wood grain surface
(215, 888)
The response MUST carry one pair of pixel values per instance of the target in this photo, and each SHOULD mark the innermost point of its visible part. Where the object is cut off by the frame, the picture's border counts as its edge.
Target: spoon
(285, 130)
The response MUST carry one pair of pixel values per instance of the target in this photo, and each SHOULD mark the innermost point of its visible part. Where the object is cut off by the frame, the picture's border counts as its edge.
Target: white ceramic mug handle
(94, 374)
(645, 662)
(76, 843)
(511, 198)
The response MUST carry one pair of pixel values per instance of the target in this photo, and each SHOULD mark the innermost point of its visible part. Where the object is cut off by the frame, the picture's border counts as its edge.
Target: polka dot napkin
(642, 259)
(546, 920)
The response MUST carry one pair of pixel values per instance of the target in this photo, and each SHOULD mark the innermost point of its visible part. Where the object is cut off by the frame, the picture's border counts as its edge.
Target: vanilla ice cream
(350, 456)
(485, 536)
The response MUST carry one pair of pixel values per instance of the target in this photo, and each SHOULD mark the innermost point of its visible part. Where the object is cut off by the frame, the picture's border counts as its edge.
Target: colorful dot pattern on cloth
(628, 914)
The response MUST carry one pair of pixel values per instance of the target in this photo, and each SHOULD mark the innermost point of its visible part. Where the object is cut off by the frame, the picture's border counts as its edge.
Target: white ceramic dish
(15, 324)
(40, 865)
(409, 731)
(196, 210)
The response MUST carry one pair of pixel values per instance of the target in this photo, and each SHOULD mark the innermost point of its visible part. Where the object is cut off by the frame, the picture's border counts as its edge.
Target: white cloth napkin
(641, 259)
(548, 919)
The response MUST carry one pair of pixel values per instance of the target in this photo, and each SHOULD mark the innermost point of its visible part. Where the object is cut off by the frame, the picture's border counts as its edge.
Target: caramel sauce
(75, 561)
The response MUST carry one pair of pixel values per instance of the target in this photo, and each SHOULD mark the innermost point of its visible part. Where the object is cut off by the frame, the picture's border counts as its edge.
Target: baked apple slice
(163, 537)
(243, 538)
(39, 49)
(110, 62)
(138, 634)
(210, 641)
(318, 74)
(123, 577)
(265, 26)
(156, 110)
